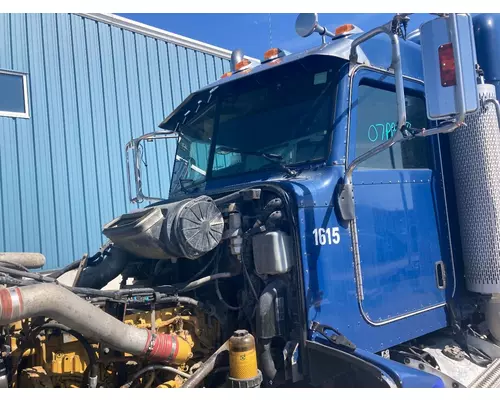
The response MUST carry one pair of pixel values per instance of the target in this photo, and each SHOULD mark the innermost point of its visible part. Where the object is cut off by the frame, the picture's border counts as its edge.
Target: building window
(376, 123)
(13, 94)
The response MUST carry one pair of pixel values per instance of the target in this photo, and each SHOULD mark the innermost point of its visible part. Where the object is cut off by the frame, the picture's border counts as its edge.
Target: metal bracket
(448, 381)
(291, 361)
(345, 202)
(338, 339)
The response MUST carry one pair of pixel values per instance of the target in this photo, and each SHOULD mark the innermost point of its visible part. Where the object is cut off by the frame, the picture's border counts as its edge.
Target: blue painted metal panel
(92, 87)
(70, 118)
(398, 230)
(157, 110)
(41, 136)
(114, 143)
(167, 101)
(11, 235)
(121, 90)
(56, 135)
(399, 246)
(29, 216)
(146, 112)
(328, 272)
(329, 278)
(86, 132)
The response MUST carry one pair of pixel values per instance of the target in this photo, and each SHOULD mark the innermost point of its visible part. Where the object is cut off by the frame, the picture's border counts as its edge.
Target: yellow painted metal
(62, 360)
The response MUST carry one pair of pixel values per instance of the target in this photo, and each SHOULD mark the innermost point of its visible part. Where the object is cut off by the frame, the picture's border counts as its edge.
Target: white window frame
(26, 113)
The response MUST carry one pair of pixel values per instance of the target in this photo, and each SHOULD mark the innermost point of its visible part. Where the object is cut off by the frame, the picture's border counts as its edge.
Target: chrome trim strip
(452, 258)
(399, 317)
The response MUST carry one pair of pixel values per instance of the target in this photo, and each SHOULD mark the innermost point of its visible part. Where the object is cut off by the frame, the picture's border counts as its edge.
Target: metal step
(489, 378)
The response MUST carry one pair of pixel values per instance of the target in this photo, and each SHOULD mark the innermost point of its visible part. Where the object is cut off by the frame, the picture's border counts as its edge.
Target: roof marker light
(226, 75)
(242, 64)
(274, 53)
(343, 29)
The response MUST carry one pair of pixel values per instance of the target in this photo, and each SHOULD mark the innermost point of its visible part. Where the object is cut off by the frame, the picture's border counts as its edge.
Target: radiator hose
(55, 302)
(98, 276)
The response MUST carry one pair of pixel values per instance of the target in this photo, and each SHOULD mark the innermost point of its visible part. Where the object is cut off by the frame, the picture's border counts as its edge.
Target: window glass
(12, 93)
(287, 115)
(376, 123)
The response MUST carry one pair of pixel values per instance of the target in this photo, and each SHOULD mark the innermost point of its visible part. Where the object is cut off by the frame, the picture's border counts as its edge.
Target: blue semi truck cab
(380, 149)
(337, 208)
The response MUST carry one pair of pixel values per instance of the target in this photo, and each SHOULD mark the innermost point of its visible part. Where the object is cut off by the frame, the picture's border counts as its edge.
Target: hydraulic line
(122, 292)
(218, 292)
(15, 265)
(154, 367)
(207, 367)
(206, 279)
(24, 274)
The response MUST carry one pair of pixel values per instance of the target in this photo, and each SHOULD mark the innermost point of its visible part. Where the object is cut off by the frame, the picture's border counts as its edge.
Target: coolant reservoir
(475, 153)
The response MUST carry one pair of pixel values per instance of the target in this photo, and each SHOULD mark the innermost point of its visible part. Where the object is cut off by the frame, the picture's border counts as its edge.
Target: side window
(13, 94)
(376, 123)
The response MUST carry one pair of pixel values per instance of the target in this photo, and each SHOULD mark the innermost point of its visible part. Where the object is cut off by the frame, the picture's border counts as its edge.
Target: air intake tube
(98, 276)
(270, 325)
(53, 301)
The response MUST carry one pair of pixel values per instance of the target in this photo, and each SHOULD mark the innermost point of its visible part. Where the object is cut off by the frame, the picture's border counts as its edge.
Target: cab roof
(375, 52)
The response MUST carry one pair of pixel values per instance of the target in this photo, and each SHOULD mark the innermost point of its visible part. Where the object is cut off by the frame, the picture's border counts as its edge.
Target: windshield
(285, 111)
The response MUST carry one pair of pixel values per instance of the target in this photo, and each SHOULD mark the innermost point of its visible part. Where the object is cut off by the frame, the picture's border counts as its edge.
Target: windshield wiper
(192, 184)
(275, 158)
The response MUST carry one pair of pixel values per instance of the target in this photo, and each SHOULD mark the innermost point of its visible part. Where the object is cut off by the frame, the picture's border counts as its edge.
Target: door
(398, 201)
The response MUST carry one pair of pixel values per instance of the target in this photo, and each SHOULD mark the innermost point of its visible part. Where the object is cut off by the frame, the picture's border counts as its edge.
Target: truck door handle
(440, 275)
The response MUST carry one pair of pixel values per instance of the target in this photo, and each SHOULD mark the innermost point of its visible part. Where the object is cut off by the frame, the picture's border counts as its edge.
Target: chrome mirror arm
(404, 133)
(134, 145)
(345, 199)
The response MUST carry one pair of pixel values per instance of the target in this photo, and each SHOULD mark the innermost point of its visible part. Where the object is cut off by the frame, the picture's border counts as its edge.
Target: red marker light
(447, 65)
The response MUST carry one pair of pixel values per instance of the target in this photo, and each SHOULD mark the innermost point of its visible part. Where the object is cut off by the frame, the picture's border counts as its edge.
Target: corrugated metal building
(74, 88)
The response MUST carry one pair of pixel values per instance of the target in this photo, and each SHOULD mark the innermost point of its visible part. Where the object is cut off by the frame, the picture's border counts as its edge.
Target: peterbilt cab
(338, 204)
(393, 273)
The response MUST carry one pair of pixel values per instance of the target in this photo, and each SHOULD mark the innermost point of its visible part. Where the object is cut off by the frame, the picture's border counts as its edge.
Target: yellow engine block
(194, 327)
(52, 361)
(61, 360)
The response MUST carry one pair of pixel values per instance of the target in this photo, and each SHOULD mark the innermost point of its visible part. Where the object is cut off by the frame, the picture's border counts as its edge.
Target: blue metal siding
(91, 87)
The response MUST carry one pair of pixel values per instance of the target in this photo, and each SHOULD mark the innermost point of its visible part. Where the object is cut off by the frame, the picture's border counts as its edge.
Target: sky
(256, 33)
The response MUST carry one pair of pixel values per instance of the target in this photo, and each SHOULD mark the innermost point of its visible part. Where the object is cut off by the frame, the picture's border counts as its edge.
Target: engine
(201, 280)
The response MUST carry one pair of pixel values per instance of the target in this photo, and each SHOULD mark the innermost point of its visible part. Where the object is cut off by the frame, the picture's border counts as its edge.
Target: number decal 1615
(324, 236)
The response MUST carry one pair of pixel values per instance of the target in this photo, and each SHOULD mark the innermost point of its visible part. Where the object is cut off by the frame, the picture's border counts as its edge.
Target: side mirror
(449, 63)
(136, 147)
(307, 24)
